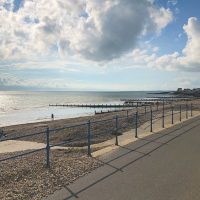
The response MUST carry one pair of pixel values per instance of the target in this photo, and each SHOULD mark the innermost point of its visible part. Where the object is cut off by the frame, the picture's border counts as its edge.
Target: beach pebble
(28, 177)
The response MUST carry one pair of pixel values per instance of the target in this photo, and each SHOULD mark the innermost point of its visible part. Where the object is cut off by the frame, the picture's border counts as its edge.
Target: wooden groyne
(99, 105)
(153, 100)
(128, 103)
(110, 111)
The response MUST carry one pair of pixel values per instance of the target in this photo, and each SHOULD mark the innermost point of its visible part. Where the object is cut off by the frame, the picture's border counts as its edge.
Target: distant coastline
(195, 92)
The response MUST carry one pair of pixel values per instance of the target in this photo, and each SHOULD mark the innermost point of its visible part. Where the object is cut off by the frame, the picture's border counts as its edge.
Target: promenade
(162, 166)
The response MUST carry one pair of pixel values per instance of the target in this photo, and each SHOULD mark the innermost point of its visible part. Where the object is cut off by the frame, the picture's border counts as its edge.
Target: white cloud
(173, 2)
(10, 81)
(155, 49)
(94, 30)
(45, 64)
(160, 19)
(192, 49)
(189, 60)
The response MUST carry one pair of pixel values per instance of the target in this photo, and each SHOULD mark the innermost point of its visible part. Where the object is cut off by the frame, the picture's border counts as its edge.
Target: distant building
(179, 90)
(192, 92)
(188, 91)
(196, 90)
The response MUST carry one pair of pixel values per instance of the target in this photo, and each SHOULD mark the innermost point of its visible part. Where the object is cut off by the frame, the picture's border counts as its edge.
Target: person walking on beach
(2, 134)
(52, 116)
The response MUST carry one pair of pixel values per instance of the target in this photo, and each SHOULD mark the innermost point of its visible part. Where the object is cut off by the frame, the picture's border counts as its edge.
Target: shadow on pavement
(140, 154)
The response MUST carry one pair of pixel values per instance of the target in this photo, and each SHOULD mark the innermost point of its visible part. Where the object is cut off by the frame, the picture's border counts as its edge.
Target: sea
(19, 107)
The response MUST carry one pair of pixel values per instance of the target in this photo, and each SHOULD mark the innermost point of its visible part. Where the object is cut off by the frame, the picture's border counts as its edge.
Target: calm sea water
(17, 107)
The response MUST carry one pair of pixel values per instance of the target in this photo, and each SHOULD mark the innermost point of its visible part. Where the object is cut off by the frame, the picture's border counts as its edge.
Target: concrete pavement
(162, 166)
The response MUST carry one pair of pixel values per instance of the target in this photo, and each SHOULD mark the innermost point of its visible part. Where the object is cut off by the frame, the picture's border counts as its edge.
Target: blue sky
(87, 45)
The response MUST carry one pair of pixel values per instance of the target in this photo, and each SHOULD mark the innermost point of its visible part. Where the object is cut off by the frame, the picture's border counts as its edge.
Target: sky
(99, 45)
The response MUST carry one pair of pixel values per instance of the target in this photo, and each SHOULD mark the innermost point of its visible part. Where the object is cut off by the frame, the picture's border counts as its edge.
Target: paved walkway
(163, 166)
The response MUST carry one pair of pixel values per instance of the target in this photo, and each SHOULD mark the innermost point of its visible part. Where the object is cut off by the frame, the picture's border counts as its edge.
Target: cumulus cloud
(160, 19)
(94, 30)
(192, 49)
(188, 60)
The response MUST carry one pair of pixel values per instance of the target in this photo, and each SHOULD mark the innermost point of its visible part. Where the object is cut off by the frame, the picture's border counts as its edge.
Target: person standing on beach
(52, 116)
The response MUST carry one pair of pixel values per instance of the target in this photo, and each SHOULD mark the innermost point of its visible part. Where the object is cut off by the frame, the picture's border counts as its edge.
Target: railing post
(151, 127)
(47, 148)
(89, 138)
(116, 132)
(180, 114)
(172, 115)
(163, 115)
(191, 110)
(186, 108)
(136, 124)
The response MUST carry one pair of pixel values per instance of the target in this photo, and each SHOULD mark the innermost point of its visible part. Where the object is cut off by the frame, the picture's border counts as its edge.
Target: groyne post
(116, 132)
(163, 115)
(186, 109)
(151, 127)
(89, 138)
(136, 124)
(47, 148)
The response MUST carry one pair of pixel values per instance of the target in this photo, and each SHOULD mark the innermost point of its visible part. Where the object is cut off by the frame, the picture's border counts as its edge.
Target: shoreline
(19, 117)
(29, 128)
(45, 120)
(61, 130)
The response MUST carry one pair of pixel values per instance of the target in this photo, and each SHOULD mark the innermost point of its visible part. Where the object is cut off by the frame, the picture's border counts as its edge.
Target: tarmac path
(162, 166)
